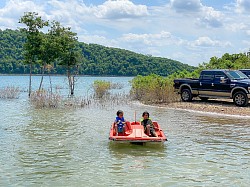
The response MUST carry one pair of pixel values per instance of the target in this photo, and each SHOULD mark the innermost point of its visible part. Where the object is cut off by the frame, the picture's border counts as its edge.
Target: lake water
(70, 147)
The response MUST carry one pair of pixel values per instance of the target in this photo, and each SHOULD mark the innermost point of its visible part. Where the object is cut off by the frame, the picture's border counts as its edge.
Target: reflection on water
(70, 147)
(128, 149)
(134, 157)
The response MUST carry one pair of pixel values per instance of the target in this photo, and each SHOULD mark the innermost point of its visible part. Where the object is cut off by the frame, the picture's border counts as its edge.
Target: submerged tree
(32, 46)
(68, 51)
(49, 52)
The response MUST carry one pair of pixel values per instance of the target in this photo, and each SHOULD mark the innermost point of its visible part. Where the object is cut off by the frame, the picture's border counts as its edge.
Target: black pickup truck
(216, 84)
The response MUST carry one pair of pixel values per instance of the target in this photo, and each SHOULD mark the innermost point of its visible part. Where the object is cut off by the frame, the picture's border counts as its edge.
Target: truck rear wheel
(240, 99)
(186, 95)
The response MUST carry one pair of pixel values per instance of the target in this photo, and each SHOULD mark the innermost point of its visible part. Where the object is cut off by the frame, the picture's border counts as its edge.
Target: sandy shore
(226, 107)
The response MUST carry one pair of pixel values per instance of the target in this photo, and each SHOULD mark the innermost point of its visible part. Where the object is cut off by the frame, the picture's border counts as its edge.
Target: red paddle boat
(134, 132)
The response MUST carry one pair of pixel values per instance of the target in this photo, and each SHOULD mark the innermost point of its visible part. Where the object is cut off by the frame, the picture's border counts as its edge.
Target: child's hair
(119, 112)
(143, 114)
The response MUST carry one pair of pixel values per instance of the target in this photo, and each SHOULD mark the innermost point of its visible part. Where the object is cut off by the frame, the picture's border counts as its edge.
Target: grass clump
(9, 92)
(45, 99)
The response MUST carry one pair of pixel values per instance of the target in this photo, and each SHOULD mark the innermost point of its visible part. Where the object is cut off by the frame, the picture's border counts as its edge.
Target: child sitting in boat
(149, 128)
(120, 123)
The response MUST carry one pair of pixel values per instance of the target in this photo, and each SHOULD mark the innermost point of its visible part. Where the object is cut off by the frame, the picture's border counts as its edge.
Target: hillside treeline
(226, 61)
(98, 60)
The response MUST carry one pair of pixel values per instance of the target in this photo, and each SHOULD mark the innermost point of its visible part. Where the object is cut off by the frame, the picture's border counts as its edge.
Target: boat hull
(134, 133)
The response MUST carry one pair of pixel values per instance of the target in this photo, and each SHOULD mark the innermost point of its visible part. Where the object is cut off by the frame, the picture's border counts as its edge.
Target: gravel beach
(224, 106)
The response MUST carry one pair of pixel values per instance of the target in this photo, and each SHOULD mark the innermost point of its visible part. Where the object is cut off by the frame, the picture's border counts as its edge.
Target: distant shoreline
(221, 107)
(63, 75)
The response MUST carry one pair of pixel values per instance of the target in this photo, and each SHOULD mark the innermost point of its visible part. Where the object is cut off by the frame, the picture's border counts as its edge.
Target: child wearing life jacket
(148, 125)
(120, 123)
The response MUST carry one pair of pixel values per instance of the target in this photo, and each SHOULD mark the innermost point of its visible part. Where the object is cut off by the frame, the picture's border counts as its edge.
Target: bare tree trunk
(41, 82)
(72, 85)
(30, 80)
(70, 80)
(50, 82)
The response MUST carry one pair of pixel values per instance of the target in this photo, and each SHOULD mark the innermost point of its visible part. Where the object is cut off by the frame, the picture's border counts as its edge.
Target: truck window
(207, 76)
(218, 75)
(245, 71)
(236, 75)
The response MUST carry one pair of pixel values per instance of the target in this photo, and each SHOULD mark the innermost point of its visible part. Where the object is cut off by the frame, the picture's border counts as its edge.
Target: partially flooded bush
(76, 102)
(101, 88)
(9, 92)
(45, 99)
(101, 97)
(153, 89)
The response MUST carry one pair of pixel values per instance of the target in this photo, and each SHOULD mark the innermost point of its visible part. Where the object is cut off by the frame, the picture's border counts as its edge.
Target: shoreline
(219, 107)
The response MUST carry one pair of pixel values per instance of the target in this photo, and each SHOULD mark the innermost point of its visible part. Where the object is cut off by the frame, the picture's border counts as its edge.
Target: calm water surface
(70, 147)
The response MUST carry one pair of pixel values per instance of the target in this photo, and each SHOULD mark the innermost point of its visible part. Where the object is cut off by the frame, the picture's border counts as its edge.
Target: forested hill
(99, 60)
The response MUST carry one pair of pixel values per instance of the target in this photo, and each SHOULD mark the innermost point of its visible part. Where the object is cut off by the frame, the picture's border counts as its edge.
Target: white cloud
(235, 27)
(159, 39)
(246, 42)
(204, 16)
(120, 9)
(69, 13)
(111, 9)
(186, 5)
(243, 6)
(13, 10)
(208, 42)
(97, 39)
(16, 8)
(210, 17)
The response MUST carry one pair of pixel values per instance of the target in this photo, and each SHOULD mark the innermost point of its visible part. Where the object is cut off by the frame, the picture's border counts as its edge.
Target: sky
(189, 31)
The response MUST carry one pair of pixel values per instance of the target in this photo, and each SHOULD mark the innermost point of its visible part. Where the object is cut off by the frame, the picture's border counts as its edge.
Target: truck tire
(240, 99)
(186, 95)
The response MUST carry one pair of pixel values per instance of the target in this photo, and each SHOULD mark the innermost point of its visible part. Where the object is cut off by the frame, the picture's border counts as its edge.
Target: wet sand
(224, 106)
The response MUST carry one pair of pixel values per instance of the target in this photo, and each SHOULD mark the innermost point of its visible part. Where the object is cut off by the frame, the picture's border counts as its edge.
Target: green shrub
(153, 89)
(101, 88)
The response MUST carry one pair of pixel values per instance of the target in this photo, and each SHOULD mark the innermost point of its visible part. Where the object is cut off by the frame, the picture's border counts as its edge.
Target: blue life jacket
(120, 124)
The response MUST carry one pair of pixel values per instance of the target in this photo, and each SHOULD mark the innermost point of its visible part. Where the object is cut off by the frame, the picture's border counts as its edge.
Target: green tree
(69, 53)
(49, 50)
(32, 46)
